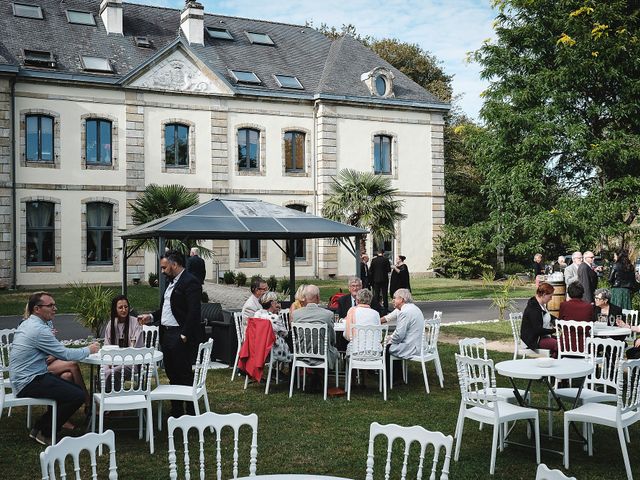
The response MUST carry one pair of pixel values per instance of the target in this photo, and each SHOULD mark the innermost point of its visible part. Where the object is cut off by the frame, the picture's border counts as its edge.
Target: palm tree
(364, 200)
(158, 201)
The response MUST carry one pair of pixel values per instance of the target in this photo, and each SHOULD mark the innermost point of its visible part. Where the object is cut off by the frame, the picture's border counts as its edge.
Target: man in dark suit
(195, 265)
(588, 278)
(379, 279)
(347, 301)
(179, 321)
(364, 271)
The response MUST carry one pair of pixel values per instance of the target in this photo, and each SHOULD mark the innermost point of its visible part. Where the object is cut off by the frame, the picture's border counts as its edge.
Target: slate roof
(324, 67)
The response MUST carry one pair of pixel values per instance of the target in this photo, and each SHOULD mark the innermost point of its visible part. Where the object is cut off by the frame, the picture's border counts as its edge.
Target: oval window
(381, 85)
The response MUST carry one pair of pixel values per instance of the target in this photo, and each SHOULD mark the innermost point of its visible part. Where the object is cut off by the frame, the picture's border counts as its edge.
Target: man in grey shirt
(32, 344)
(406, 341)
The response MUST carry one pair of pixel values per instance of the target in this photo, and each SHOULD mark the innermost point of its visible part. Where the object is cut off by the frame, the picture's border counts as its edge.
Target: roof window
(288, 81)
(96, 64)
(259, 38)
(38, 58)
(81, 18)
(143, 42)
(219, 33)
(242, 76)
(27, 11)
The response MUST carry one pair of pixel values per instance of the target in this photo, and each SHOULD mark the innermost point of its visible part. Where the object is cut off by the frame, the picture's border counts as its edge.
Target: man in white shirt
(258, 288)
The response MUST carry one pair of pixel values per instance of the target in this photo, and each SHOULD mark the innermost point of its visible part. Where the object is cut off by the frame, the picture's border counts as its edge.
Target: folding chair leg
(384, 383)
(439, 370)
(246, 381)
(266, 388)
(347, 381)
(537, 434)
(54, 416)
(150, 427)
(566, 443)
(390, 372)
(494, 448)
(326, 379)
(160, 416)
(424, 374)
(139, 424)
(294, 373)
(625, 454)
(235, 365)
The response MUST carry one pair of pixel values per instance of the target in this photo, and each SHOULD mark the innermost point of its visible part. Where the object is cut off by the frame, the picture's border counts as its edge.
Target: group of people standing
(384, 278)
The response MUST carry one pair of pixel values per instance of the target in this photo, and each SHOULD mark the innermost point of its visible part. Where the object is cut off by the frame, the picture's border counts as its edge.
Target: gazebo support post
(357, 254)
(292, 272)
(162, 280)
(124, 266)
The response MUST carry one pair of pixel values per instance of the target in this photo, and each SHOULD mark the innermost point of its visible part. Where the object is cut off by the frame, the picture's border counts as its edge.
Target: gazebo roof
(235, 219)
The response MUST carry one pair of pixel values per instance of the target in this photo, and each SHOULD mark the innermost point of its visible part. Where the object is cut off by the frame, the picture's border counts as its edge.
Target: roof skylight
(80, 17)
(96, 64)
(27, 11)
(39, 58)
(245, 77)
(259, 38)
(288, 81)
(220, 33)
(143, 42)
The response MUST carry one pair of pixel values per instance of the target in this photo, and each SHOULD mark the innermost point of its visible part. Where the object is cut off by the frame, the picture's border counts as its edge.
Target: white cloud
(448, 29)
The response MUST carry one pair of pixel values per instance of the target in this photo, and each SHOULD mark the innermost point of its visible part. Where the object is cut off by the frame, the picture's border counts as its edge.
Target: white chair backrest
(430, 336)
(366, 342)
(241, 327)
(151, 336)
(629, 391)
(544, 473)
(515, 319)
(607, 354)
(54, 457)
(137, 359)
(437, 316)
(203, 359)
(477, 382)
(6, 339)
(216, 422)
(631, 317)
(310, 340)
(473, 347)
(284, 315)
(572, 338)
(410, 435)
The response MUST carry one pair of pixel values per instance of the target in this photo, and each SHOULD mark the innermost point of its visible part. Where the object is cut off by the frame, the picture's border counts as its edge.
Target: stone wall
(6, 200)
(437, 175)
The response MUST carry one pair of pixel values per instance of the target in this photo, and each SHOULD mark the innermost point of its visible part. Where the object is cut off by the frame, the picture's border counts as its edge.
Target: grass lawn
(305, 434)
(490, 330)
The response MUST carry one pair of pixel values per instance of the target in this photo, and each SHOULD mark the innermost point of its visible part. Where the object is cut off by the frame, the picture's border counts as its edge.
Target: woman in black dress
(399, 276)
(622, 280)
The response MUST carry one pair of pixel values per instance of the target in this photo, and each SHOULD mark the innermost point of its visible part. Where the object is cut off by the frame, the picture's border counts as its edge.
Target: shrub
(229, 278)
(511, 268)
(93, 305)
(285, 285)
(272, 282)
(153, 279)
(241, 279)
(460, 253)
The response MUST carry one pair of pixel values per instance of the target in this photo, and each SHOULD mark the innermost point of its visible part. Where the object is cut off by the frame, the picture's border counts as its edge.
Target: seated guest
(537, 323)
(361, 314)
(299, 300)
(270, 309)
(606, 311)
(633, 352)
(347, 301)
(32, 344)
(575, 308)
(313, 313)
(252, 305)
(406, 341)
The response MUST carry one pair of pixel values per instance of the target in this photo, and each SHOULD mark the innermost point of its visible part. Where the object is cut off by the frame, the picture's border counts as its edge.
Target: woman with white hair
(361, 314)
(270, 310)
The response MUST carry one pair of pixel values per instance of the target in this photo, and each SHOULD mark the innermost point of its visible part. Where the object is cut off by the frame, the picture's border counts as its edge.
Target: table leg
(561, 406)
(91, 392)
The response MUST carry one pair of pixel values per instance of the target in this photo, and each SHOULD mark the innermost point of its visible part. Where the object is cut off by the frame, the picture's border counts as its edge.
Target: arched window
(98, 145)
(248, 149)
(39, 138)
(40, 233)
(294, 151)
(382, 154)
(176, 145)
(99, 233)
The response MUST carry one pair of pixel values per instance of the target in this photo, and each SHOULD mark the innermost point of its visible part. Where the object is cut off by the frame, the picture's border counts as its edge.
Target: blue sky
(447, 28)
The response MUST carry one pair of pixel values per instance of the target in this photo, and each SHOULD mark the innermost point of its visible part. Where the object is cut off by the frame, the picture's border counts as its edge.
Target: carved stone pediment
(179, 73)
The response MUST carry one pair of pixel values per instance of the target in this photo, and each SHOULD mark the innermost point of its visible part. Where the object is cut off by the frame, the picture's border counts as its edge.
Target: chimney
(111, 14)
(192, 22)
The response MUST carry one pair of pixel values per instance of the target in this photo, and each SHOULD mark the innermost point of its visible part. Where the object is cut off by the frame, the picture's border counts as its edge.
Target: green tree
(561, 156)
(364, 200)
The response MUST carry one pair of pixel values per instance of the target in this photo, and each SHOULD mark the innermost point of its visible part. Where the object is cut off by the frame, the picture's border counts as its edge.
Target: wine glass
(133, 341)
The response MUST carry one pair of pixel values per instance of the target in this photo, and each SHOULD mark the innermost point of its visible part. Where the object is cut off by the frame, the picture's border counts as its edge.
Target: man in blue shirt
(32, 343)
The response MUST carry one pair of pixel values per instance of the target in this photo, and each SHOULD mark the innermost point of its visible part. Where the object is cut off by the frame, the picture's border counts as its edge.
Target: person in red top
(575, 308)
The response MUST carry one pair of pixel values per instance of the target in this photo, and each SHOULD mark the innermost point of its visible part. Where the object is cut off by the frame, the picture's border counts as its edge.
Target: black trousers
(380, 289)
(178, 359)
(69, 397)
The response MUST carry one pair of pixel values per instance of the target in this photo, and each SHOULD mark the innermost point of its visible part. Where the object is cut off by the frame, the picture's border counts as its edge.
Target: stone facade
(6, 198)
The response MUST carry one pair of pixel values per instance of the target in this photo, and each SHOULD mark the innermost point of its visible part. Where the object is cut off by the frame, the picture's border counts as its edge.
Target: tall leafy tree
(364, 200)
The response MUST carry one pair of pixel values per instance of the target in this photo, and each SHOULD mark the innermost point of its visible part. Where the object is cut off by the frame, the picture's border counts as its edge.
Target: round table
(610, 331)
(530, 368)
(94, 358)
(294, 476)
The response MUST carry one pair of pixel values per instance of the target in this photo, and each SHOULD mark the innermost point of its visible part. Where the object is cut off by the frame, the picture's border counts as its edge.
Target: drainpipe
(14, 256)
(314, 169)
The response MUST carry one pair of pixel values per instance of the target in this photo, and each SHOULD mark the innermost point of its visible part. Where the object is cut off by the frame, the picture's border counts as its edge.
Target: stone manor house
(99, 99)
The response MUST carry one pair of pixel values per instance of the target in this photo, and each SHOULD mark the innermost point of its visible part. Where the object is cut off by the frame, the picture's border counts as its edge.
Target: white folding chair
(410, 435)
(366, 352)
(151, 339)
(73, 447)
(216, 423)
(428, 353)
(519, 347)
(310, 350)
(188, 393)
(619, 416)
(123, 392)
(240, 331)
(8, 398)
(544, 473)
(285, 316)
(481, 403)
(572, 338)
(631, 317)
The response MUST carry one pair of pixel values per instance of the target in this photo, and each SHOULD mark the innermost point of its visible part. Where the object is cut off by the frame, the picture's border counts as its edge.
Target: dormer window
(259, 38)
(219, 33)
(143, 42)
(38, 58)
(379, 81)
(80, 17)
(27, 11)
(242, 76)
(96, 64)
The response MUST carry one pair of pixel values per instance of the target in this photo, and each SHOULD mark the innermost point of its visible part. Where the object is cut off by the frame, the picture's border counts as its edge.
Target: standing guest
(379, 279)
(299, 300)
(360, 314)
(537, 323)
(179, 320)
(538, 268)
(571, 272)
(364, 270)
(560, 264)
(605, 310)
(252, 305)
(196, 266)
(406, 341)
(32, 343)
(622, 280)
(270, 309)
(588, 277)
(399, 275)
(347, 301)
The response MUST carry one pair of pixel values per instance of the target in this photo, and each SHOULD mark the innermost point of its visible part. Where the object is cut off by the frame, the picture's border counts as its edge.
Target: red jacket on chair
(258, 340)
